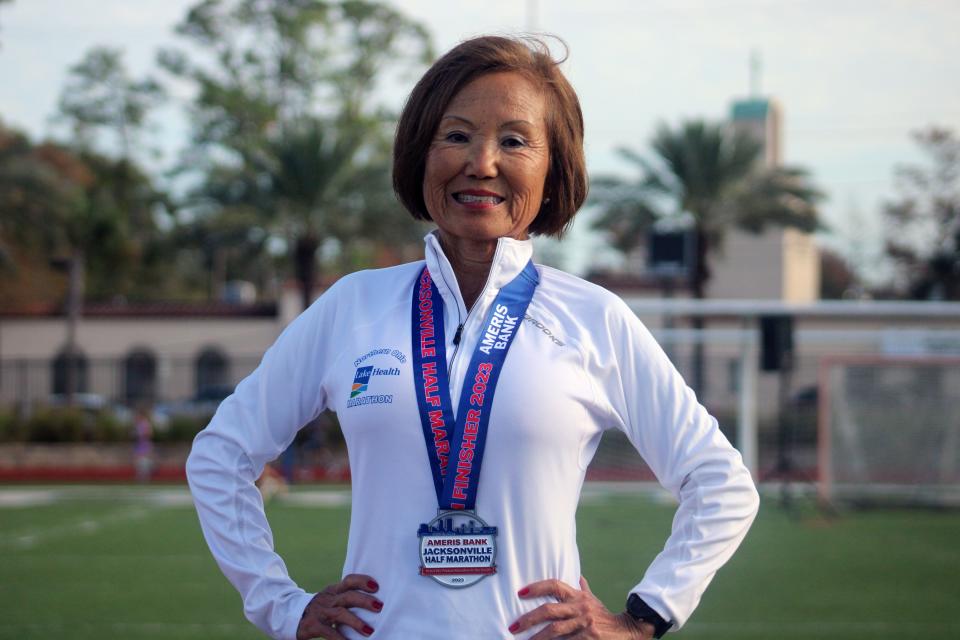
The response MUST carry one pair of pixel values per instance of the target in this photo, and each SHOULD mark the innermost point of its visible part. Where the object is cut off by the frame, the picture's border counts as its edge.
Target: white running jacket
(581, 363)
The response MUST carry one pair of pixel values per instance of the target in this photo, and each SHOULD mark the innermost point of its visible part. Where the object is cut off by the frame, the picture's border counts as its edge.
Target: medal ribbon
(455, 447)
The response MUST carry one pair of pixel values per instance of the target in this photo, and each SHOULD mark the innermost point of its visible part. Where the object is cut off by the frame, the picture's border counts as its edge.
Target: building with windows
(138, 353)
(778, 264)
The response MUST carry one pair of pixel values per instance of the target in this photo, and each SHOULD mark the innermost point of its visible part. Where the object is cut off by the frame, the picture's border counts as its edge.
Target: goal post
(889, 430)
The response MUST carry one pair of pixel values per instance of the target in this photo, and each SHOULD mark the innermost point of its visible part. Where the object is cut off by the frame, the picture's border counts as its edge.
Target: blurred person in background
(490, 148)
(271, 483)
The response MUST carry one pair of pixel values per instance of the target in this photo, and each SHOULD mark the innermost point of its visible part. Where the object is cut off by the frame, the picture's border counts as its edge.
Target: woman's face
(488, 161)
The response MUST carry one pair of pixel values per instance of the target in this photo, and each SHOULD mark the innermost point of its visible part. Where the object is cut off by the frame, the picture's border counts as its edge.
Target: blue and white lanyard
(456, 476)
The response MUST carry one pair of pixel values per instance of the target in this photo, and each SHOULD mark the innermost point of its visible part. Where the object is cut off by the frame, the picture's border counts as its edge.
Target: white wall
(29, 345)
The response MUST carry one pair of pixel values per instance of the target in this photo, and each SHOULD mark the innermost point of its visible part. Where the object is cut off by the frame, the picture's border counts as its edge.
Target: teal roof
(752, 109)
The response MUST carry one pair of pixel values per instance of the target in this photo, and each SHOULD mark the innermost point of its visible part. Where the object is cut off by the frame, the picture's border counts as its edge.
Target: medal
(457, 548)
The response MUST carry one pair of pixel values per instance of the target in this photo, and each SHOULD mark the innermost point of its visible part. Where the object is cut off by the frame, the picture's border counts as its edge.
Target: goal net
(889, 430)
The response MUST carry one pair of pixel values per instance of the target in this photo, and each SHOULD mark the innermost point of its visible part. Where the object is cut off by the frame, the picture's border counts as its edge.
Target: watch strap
(641, 611)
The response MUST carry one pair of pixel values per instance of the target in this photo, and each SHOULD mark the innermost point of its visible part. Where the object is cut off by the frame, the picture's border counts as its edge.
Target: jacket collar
(509, 259)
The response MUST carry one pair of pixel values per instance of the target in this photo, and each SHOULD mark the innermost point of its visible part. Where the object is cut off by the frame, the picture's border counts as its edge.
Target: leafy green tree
(127, 253)
(40, 187)
(712, 175)
(838, 279)
(59, 203)
(923, 223)
(320, 186)
(64, 204)
(106, 113)
(111, 226)
(100, 100)
(226, 244)
(93, 214)
(284, 122)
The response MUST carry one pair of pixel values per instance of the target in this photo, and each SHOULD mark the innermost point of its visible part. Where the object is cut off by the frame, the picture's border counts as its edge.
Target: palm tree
(71, 207)
(311, 181)
(309, 167)
(285, 122)
(708, 173)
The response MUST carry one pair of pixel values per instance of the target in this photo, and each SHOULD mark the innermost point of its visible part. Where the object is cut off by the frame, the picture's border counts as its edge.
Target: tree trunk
(305, 264)
(218, 274)
(76, 268)
(700, 274)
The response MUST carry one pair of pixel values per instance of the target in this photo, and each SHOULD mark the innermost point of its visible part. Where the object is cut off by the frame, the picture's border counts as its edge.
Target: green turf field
(95, 563)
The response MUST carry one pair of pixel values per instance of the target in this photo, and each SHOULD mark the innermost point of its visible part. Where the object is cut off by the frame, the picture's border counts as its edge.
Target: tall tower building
(778, 264)
(761, 119)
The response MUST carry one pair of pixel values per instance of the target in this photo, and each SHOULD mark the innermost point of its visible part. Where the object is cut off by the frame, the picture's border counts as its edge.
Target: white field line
(140, 503)
(26, 497)
(824, 628)
(593, 492)
(328, 499)
(37, 496)
(118, 629)
(808, 629)
(118, 557)
(599, 491)
(29, 538)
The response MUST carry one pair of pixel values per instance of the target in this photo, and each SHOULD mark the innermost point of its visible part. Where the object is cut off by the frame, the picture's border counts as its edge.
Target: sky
(854, 77)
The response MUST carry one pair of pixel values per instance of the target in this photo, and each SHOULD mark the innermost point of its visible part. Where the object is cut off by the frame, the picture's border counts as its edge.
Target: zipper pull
(456, 336)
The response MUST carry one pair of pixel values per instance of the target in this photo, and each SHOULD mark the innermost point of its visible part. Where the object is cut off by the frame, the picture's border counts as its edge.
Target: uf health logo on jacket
(365, 373)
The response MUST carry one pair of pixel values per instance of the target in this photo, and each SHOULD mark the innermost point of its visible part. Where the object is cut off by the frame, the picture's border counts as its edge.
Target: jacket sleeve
(250, 428)
(690, 457)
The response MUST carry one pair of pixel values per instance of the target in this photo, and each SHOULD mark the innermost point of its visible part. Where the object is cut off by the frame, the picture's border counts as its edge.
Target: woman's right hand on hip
(331, 608)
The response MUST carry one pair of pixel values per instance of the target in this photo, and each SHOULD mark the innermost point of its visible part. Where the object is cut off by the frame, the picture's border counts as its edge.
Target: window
(140, 376)
(66, 364)
(211, 370)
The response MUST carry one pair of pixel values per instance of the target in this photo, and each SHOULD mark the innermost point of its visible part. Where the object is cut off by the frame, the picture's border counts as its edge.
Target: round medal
(457, 549)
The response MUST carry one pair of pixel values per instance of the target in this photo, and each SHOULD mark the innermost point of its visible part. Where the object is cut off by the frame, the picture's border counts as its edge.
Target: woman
(537, 364)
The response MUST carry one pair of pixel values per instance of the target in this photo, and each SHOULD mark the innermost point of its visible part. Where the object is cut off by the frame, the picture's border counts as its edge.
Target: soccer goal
(889, 430)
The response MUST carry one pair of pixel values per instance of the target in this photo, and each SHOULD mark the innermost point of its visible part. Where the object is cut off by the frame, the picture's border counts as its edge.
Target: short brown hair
(566, 183)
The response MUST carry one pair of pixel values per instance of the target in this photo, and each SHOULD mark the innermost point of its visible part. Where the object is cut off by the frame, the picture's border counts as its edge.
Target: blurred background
(775, 191)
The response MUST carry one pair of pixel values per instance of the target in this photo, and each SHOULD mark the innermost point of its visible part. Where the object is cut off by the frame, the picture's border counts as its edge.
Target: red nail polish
(373, 584)
(367, 629)
(377, 605)
(513, 628)
(523, 591)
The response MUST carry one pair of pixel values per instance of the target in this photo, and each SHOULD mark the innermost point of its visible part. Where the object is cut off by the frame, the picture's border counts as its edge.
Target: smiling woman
(486, 170)
(488, 162)
(490, 145)
(467, 464)
(537, 95)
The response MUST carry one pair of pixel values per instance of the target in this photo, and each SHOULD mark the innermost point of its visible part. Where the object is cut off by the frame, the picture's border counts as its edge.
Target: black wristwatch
(642, 612)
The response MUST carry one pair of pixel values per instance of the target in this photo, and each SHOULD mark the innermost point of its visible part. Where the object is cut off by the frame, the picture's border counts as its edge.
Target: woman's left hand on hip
(576, 614)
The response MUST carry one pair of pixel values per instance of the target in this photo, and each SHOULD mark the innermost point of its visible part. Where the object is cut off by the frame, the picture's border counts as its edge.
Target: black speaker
(670, 253)
(776, 343)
